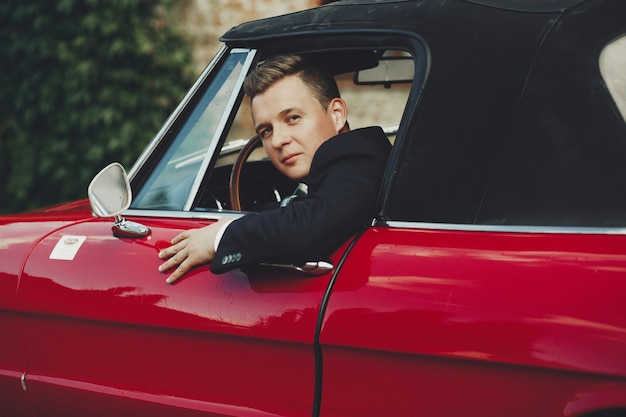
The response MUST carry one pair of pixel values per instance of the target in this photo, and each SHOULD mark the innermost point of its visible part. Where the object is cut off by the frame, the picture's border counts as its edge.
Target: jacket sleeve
(311, 228)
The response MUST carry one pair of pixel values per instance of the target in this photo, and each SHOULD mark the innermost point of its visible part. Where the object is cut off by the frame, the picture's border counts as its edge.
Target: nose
(280, 137)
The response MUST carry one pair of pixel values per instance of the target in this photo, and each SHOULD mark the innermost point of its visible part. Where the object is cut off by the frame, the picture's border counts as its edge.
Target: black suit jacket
(343, 185)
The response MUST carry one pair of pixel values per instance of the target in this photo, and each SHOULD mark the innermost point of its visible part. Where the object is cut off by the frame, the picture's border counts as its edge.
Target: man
(302, 122)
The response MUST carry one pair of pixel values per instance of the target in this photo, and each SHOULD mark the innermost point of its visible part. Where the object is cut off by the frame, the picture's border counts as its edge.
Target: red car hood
(20, 233)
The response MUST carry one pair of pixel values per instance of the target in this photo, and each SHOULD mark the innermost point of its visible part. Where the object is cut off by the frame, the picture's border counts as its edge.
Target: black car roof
(539, 6)
(519, 5)
(508, 82)
(383, 14)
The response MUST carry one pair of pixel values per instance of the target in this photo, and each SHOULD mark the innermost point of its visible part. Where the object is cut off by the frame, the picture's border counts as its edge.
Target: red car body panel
(84, 333)
(489, 283)
(91, 320)
(20, 234)
(479, 316)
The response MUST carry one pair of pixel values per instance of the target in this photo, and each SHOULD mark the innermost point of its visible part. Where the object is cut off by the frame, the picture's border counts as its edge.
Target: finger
(167, 253)
(166, 266)
(179, 272)
(182, 236)
(172, 250)
(177, 259)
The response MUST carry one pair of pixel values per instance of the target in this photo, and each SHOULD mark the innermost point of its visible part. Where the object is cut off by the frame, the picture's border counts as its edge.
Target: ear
(339, 112)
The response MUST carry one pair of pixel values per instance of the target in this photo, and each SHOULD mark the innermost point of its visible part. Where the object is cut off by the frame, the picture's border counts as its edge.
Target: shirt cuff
(220, 233)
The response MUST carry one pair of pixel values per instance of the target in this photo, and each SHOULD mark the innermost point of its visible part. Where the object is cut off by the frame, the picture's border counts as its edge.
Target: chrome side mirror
(109, 195)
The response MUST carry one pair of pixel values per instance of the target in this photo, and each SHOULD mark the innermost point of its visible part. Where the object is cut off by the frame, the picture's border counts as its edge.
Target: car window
(546, 148)
(613, 69)
(191, 163)
(171, 181)
(261, 185)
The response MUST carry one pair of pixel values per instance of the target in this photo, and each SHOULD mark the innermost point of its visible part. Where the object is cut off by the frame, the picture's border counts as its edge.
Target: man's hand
(190, 249)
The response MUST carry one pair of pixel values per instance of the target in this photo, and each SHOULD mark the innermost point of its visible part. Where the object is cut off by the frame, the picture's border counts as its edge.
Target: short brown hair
(268, 72)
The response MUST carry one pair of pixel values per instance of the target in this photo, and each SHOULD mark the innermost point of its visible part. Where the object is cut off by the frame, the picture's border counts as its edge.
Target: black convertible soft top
(373, 14)
(511, 123)
(538, 6)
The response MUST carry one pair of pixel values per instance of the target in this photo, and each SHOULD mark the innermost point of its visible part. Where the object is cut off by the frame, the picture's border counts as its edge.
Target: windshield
(176, 174)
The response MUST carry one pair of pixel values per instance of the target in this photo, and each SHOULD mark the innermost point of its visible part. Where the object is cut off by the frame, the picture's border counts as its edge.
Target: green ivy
(82, 83)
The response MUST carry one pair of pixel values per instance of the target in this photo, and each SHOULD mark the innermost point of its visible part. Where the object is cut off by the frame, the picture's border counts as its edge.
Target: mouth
(289, 159)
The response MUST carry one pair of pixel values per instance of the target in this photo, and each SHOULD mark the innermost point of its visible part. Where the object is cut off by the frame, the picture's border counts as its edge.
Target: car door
(106, 335)
(495, 285)
(427, 321)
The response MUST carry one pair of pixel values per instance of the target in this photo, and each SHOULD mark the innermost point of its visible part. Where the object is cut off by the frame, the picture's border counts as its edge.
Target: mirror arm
(127, 229)
(109, 195)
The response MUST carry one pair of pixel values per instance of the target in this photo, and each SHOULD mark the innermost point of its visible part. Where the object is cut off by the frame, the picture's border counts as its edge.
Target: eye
(293, 118)
(265, 133)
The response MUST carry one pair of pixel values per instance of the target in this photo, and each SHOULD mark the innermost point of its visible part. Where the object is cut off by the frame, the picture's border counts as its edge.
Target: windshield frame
(205, 99)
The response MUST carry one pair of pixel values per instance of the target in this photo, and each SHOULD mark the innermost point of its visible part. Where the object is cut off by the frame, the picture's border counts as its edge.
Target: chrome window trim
(506, 228)
(215, 215)
(143, 157)
(221, 125)
(208, 215)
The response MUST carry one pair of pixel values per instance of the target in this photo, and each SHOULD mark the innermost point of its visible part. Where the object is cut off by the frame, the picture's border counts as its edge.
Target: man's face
(292, 124)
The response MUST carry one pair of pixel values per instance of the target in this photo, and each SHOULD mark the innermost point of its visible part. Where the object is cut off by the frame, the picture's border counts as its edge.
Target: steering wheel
(235, 173)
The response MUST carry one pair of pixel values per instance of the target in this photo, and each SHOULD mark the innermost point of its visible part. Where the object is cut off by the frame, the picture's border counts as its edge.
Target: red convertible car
(491, 282)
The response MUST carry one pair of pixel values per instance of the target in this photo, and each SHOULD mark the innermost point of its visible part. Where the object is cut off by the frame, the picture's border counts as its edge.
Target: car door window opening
(171, 187)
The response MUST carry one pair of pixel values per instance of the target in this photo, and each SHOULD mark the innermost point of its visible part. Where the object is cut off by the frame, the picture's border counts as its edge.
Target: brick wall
(205, 21)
